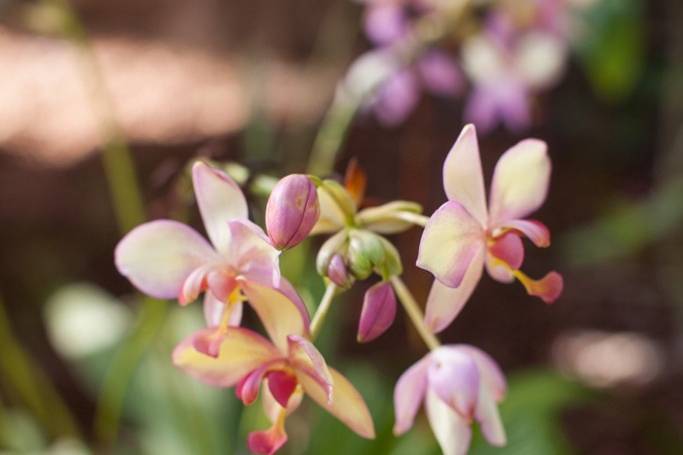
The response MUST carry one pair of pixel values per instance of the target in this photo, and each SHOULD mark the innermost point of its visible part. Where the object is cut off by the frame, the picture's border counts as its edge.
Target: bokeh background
(85, 362)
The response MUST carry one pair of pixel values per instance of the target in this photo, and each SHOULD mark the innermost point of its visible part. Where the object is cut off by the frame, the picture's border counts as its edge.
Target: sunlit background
(85, 361)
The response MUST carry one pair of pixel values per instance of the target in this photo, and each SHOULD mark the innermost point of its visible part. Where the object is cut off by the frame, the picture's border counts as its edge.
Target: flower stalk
(322, 310)
(414, 312)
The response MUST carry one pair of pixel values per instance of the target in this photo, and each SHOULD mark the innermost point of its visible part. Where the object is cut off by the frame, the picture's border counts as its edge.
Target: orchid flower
(507, 66)
(458, 384)
(463, 237)
(167, 259)
(288, 366)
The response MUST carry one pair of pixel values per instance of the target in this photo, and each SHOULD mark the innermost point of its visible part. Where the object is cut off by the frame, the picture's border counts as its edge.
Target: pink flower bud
(337, 271)
(292, 211)
(378, 313)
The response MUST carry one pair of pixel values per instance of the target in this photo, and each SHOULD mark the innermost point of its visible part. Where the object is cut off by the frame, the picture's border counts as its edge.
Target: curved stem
(323, 309)
(414, 312)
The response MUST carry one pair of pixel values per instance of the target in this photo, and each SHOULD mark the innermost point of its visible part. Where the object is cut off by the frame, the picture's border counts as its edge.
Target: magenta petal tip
(378, 313)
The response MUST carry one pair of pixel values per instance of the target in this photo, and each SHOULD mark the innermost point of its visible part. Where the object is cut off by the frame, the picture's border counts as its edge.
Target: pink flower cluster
(509, 53)
(459, 384)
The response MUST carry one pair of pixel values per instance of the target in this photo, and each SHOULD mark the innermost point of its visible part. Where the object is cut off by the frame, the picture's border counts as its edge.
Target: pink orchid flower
(288, 366)
(167, 259)
(458, 384)
(463, 237)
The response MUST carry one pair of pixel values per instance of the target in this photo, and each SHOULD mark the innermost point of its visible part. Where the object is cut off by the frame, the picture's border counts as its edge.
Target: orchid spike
(289, 367)
(463, 237)
(458, 384)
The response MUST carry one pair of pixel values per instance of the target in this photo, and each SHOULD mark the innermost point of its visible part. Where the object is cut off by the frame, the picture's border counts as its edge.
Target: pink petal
(272, 408)
(220, 200)
(248, 387)
(440, 74)
(288, 290)
(452, 431)
(520, 182)
(491, 374)
(222, 282)
(385, 23)
(451, 240)
(307, 360)
(347, 404)
(213, 311)
(250, 253)
(397, 98)
(505, 253)
(269, 441)
(463, 179)
(489, 418)
(445, 303)
(194, 284)
(158, 256)
(282, 385)
(454, 377)
(481, 109)
(409, 393)
(549, 288)
(208, 342)
(378, 313)
(279, 315)
(241, 351)
(534, 230)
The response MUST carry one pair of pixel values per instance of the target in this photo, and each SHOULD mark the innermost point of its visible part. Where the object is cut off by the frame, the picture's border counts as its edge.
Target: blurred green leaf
(612, 46)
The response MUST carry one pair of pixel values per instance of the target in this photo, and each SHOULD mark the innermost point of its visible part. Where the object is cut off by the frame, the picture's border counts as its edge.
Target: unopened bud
(336, 271)
(370, 252)
(378, 313)
(292, 211)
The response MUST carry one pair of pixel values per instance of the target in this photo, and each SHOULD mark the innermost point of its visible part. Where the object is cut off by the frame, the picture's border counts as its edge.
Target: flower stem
(323, 309)
(414, 312)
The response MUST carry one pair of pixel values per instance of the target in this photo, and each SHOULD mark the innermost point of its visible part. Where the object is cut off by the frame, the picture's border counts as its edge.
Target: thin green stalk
(129, 211)
(25, 380)
(414, 312)
(323, 309)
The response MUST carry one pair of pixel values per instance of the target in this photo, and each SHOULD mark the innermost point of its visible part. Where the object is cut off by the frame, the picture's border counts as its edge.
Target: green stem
(25, 380)
(323, 309)
(129, 211)
(414, 312)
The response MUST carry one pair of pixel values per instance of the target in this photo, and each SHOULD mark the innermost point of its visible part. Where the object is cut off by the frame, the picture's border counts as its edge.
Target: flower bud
(337, 244)
(336, 271)
(370, 252)
(292, 211)
(378, 313)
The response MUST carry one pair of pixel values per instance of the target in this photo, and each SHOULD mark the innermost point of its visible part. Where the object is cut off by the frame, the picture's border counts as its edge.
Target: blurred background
(104, 104)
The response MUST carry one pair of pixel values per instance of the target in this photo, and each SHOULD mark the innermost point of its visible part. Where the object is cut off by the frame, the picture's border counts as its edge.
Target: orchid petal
(409, 393)
(440, 74)
(251, 253)
(463, 178)
(214, 308)
(221, 281)
(278, 314)
(158, 256)
(534, 230)
(451, 240)
(505, 253)
(491, 374)
(288, 290)
(385, 23)
(378, 313)
(332, 217)
(452, 431)
(397, 97)
(347, 404)
(445, 303)
(520, 182)
(269, 441)
(489, 418)
(282, 385)
(454, 377)
(248, 387)
(272, 408)
(240, 352)
(548, 288)
(307, 360)
(194, 284)
(220, 200)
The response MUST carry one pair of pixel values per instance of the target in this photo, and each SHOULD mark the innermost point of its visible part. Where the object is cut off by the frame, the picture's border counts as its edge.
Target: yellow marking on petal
(235, 297)
(547, 288)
